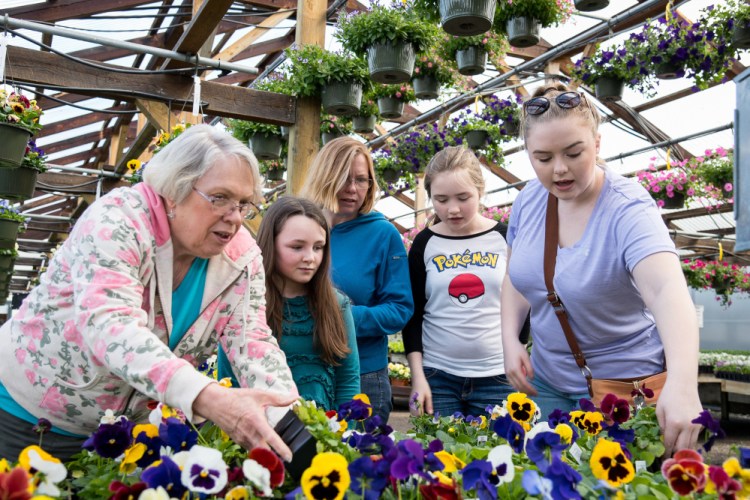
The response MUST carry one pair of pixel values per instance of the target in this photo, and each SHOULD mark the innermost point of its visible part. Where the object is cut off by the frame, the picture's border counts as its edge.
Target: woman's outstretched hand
(241, 413)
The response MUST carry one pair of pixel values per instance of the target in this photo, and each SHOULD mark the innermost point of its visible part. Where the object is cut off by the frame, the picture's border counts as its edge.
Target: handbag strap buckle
(555, 302)
(586, 372)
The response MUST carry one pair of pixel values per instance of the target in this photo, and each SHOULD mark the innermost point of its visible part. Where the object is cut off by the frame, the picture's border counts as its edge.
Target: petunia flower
(46, 470)
(205, 470)
(685, 472)
(326, 478)
(609, 463)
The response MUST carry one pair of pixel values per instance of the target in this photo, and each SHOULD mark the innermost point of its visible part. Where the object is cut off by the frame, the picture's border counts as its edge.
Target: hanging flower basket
(471, 60)
(327, 137)
(17, 183)
(522, 32)
(667, 71)
(466, 17)
(364, 124)
(476, 139)
(391, 175)
(741, 36)
(677, 200)
(275, 174)
(8, 231)
(426, 87)
(591, 5)
(511, 127)
(266, 146)
(341, 98)
(14, 140)
(6, 262)
(391, 62)
(609, 88)
(390, 107)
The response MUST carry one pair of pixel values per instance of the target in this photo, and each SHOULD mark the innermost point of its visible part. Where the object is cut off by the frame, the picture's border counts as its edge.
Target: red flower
(726, 487)
(685, 472)
(270, 461)
(440, 491)
(121, 491)
(14, 485)
(618, 410)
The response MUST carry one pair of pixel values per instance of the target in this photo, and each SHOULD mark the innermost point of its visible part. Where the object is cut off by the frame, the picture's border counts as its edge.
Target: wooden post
(420, 201)
(304, 136)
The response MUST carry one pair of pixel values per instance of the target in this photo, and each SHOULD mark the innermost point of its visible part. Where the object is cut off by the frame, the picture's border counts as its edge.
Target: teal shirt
(327, 385)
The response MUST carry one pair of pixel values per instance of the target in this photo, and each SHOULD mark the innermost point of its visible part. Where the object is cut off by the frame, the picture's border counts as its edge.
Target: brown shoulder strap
(551, 230)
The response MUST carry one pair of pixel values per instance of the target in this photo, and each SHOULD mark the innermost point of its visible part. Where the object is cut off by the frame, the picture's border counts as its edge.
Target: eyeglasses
(224, 206)
(359, 182)
(539, 105)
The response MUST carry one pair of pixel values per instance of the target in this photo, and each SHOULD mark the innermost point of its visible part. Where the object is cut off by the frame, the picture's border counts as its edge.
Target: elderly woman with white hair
(150, 280)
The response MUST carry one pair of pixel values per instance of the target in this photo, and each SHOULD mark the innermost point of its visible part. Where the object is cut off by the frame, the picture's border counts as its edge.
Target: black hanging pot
(391, 175)
(266, 146)
(466, 17)
(471, 60)
(390, 108)
(591, 5)
(13, 142)
(741, 35)
(327, 137)
(426, 87)
(17, 183)
(609, 88)
(391, 62)
(511, 127)
(275, 174)
(364, 124)
(667, 70)
(675, 202)
(341, 98)
(8, 231)
(476, 139)
(522, 32)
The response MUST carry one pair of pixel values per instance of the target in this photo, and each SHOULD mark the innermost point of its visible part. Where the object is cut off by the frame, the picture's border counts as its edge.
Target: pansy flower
(155, 494)
(122, 491)
(618, 410)
(685, 472)
(589, 421)
(359, 408)
(440, 491)
(369, 476)
(15, 484)
(481, 477)
(534, 484)
(735, 470)
(326, 478)
(721, 484)
(46, 470)
(259, 477)
(564, 479)
(110, 440)
(270, 461)
(205, 470)
(712, 426)
(131, 457)
(609, 463)
(408, 458)
(521, 409)
(450, 461)
(543, 447)
(165, 473)
(511, 431)
(558, 417)
(177, 435)
(148, 435)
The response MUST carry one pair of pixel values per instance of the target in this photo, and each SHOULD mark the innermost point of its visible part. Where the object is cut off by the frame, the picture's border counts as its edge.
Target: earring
(170, 214)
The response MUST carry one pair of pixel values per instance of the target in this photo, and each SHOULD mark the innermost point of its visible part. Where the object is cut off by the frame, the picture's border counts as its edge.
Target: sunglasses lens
(536, 106)
(568, 100)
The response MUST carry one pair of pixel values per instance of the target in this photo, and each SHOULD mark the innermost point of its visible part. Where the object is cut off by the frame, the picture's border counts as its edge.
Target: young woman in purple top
(616, 271)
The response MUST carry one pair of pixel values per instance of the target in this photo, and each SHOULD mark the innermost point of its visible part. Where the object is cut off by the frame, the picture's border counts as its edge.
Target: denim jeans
(548, 398)
(468, 395)
(377, 386)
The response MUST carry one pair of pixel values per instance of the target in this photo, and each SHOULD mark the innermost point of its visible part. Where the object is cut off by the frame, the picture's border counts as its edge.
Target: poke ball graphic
(466, 290)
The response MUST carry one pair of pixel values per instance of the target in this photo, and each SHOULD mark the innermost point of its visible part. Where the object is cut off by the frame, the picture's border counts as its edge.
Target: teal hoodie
(369, 265)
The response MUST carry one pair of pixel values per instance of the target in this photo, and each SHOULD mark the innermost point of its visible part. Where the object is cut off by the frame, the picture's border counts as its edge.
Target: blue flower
(564, 479)
(713, 429)
(110, 440)
(480, 476)
(543, 448)
(177, 435)
(534, 484)
(167, 475)
(369, 477)
(511, 431)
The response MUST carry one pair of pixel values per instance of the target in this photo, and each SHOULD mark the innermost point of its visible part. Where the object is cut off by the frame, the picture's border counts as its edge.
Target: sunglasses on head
(538, 105)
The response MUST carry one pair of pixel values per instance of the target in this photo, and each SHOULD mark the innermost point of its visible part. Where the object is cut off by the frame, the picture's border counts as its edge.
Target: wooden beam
(271, 4)
(74, 158)
(696, 212)
(200, 30)
(60, 10)
(231, 52)
(405, 200)
(39, 68)
(156, 113)
(267, 47)
(74, 142)
(79, 121)
(144, 138)
(66, 182)
(503, 173)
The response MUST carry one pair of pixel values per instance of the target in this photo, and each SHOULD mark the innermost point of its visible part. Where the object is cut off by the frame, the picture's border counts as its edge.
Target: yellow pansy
(576, 417)
(608, 462)
(150, 430)
(735, 471)
(443, 479)
(565, 432)
(326, 478)
(225, 382)
(132, 455)
(24, 460)
(237, 493)
(451, 462)
(133, 166)
(592, 422)
(520, 407)
(4, 467)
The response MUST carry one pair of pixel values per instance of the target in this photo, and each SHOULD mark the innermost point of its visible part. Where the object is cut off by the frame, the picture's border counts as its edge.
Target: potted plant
(19, 120)
(7, 258)
(272, 169)
(506, 113)
(391, 99)
(500, 214)
(590, 5)
(715, 172)
(724, 278)
(338, 78)
(10, 220)
(390, 36)
(610, 70)
(399, 374)
(481, 135)
(263, 138)
(19, 183)
(364, 122)
(417, 147)
(669, 187)
(430, 73)
(332, 127)
(459, 17)
(471, 52)
(521, 19)
(392, 173)
(731, 18)
(165, 138)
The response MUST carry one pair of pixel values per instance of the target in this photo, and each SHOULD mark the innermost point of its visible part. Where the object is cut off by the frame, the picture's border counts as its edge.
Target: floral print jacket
(94, 334)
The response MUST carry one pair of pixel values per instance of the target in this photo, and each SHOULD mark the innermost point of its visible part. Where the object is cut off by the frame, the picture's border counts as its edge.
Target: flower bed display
(507, 453)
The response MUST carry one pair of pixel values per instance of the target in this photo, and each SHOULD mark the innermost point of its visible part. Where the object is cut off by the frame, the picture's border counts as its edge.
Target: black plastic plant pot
(667, 70)
(341, 98)
(466, 17)
(390, 108)
(609, 89)
(391, 62)
(511, 127)
(391, 175)
(675, 202)
(471, 60)
(13, 141)
(591, 5)
(303, 445)
(426, 87)
(741, 35)
(327, 137)
(274, 174)
(476, 139)
(8, 232)
(522, 32)
(17, 183)
(364, 124)
(266, 147)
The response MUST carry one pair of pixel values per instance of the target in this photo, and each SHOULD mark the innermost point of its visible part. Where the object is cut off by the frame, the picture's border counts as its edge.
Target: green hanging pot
(609, 89)
(426, 87)
(6, 263)
(13, 142)
(522, 32)
(391, 62)
(17, 183)
(275, 174)
(511, 127)
(266, 146)
(476, 139)
(667, 70)
(741, 35)
(466, 17)
(675, 202)
(364, 124)
(391, 175)
(590, 5)
(471, 60)
(341, 98)
(390, 108)
(327, 137)
(9, 231)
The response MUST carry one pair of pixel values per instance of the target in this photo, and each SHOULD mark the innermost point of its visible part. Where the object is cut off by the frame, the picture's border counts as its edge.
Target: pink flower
(728, 187)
